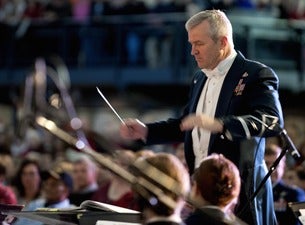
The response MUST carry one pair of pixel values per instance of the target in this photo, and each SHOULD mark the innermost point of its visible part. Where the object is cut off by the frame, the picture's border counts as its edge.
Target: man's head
(84, 173)
(56, 186)
(211, 37)
(273, 151)
(168, 174)
(216, 181)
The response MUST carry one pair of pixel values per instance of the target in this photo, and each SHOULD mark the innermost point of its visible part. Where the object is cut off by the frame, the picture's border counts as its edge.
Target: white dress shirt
(207, 105)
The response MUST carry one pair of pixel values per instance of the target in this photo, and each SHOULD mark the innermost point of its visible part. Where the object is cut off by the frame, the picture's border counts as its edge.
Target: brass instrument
(141, 185)
(150, 191)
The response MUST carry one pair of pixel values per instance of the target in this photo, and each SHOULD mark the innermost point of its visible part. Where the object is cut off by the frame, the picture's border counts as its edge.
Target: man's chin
(200, 65)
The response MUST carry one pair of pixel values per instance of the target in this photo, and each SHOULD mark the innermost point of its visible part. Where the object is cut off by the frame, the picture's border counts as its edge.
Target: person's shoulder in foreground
(215, 190)
(162, 201)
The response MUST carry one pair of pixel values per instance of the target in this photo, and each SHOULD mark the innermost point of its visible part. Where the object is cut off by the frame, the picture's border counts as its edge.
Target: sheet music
(106, 222)
(5, 209)
(46, 220)
(302, 216)
(89, 204)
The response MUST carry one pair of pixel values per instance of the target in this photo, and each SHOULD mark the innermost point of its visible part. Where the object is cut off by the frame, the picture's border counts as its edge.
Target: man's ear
(223, 42)
(66, 191)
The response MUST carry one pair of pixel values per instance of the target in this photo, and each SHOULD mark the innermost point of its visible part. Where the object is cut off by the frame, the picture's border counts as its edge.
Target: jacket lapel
(229, 84)
(227, 90)
(198, 84)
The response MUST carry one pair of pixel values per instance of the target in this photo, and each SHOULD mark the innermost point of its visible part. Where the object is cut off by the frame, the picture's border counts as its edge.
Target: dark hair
(218, 180)
(300, 171)
(62, 176)
(17, 180)
(2, 170)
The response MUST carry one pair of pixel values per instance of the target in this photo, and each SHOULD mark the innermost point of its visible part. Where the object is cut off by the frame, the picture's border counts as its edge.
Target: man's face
(206, 51)
(55, 190)
(279, 171)
(83, 175)
(290, 177)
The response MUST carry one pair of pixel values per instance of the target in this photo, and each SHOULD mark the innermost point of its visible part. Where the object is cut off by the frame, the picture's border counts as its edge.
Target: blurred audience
(9, 163)
(117, 191)
(27, 182)
(34, 9)
(300, 172)
(31, 142)
(295, 177)
(158, 45)
(7, 194)
(151, 44)
(301, 149)
(282, 193)
(80, 10)
(57, 185)
(84, 173)
(293, 9)
(131, 40)
(103, 176)
(11, 11)
(58, 9)
(290, 177)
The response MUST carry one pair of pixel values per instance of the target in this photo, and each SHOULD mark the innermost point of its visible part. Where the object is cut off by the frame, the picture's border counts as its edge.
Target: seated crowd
(38, 178)
(69, 183)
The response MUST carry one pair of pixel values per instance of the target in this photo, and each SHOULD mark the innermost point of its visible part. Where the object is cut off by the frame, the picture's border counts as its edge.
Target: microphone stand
(285, 149)
(270, 171)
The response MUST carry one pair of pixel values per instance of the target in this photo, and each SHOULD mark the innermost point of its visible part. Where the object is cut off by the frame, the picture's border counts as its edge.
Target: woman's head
(28, 177)
(218, 181)
(170, 177)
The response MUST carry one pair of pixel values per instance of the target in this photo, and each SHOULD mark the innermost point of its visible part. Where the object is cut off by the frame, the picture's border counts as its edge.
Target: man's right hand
(133, 129)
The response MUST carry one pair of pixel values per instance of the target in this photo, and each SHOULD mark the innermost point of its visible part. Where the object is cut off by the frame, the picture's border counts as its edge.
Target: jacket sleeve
(260, 112)
(169, 131)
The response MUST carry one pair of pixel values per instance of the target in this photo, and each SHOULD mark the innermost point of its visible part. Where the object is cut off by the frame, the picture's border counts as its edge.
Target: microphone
(274, 126)
(289, 145)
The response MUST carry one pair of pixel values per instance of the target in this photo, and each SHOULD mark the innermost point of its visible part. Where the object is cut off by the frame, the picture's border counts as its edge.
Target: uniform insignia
(245, 74)
(239, 88)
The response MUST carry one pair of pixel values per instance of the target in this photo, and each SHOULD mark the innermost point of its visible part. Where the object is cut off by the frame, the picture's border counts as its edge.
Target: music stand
(296, 208)
(5, 209)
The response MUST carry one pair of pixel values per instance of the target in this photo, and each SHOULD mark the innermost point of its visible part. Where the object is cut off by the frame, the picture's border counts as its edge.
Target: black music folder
(5, 209)
(79, 218)
(298, 209)
(88, 213)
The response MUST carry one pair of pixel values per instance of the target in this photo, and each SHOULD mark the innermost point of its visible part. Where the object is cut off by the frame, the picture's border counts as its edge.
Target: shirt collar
(92, 187)
(62, 204)
(222, 68)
